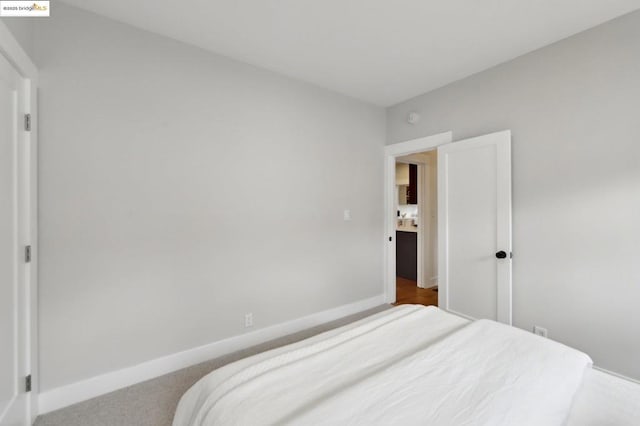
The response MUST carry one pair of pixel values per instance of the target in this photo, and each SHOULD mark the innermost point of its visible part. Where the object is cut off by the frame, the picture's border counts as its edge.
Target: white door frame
(390, 198)
(28, 180)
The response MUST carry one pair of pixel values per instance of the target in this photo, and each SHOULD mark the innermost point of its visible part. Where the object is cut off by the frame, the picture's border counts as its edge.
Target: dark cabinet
(407, 255)
(412, 189)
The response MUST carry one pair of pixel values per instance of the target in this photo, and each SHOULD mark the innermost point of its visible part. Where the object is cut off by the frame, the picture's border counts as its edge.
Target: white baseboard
(432, 285)
(620, 376)
(73, 393)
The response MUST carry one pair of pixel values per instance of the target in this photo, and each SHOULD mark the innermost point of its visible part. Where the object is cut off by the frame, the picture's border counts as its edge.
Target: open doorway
(416, 228)
(473, 223)
(402, 152)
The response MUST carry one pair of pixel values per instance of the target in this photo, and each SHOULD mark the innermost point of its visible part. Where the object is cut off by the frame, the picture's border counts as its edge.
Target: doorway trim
(28, 185)
(390, 153)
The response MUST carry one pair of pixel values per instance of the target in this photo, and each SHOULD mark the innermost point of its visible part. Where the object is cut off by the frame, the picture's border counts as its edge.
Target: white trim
(13, 52)
(390, 154)
(414, 146)
(73, 393)
(620, 376)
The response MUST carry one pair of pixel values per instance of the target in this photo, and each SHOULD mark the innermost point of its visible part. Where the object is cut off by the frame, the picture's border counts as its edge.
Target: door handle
(501, 254)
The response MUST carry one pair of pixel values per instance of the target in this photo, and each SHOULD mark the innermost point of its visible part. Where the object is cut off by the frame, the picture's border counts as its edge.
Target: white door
(474, 217)
(14, 402)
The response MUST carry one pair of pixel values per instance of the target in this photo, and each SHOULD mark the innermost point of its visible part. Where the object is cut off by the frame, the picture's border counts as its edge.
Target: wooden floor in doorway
(408, 292)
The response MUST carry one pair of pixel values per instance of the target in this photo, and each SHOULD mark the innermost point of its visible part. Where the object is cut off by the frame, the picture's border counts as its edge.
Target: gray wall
(22, 30)
(574, 110)
(180, 190)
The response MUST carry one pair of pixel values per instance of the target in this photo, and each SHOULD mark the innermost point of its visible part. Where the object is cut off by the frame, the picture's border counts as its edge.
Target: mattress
(408, 365)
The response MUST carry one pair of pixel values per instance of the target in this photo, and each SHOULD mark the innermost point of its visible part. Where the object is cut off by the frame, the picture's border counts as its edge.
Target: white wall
(409, 210)
(148, 147)
(573, 109)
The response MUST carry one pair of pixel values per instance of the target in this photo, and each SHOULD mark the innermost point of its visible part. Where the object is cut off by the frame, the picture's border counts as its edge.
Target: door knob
(501, 254)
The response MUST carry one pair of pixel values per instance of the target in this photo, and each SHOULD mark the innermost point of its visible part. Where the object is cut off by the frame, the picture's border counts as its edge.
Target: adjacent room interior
(416, 231)
(256, 212)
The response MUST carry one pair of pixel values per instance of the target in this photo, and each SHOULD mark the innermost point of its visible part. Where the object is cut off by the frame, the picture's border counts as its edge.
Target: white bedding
(606, 400)
(409, 365)
(376, 337)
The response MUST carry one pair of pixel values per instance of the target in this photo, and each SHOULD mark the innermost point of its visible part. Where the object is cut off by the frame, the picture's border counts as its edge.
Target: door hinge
(27, 254)
(27, 122)
(27, 383)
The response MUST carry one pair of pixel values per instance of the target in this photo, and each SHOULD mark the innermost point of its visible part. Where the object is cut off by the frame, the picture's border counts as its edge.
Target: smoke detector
(413, 118)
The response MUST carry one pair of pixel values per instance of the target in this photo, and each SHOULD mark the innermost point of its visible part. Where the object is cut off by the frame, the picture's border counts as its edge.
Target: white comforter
(411, 365)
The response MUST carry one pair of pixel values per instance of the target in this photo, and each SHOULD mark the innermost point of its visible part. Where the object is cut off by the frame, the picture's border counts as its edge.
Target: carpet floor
(153, 403)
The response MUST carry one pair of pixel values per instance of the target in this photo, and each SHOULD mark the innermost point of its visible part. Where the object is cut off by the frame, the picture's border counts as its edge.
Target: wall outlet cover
(540, 331)
(248, 320)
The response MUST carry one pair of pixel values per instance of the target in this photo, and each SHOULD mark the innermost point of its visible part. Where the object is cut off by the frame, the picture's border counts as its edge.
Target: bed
(413, 365)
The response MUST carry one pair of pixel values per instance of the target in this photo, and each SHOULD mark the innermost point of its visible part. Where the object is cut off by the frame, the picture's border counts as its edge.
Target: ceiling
(380, 51)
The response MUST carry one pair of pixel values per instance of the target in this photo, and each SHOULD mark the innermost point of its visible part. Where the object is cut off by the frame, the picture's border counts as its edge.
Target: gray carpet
(152, 403)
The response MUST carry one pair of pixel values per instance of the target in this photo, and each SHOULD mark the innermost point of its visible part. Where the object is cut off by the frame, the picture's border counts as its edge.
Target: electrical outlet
(346, 215)
(540, 331)
(248, 320)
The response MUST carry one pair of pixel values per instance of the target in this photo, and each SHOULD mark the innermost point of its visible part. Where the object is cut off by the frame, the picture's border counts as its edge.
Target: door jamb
(390, 153)
(13, 52)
